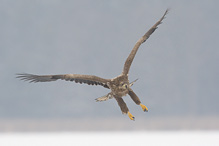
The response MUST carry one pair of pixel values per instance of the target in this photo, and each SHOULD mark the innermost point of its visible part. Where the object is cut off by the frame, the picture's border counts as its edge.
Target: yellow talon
(144, 108)
(131, 116)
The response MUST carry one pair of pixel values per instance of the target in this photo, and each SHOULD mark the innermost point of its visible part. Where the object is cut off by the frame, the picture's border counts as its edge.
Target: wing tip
(163, 17)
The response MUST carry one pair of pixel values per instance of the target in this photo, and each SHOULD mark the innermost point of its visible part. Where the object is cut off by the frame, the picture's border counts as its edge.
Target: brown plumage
(119, 85)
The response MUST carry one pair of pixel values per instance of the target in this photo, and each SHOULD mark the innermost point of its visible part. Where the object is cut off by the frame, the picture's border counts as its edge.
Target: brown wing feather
(87, 79)
(131, 56)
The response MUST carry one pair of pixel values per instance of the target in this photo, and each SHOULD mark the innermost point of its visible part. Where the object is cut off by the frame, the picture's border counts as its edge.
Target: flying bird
(119, 86)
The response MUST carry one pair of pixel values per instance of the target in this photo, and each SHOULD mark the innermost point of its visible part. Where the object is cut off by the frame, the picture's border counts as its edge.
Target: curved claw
(144, 108)
(131, 116)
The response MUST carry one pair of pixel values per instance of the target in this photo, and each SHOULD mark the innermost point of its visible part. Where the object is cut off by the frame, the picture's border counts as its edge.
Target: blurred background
(177, 67)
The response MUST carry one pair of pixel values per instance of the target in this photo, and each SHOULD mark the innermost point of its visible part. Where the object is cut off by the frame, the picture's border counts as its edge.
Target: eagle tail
(104, 98)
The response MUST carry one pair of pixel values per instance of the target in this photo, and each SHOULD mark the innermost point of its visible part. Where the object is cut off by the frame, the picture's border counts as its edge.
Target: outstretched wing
(87, 79)
(131, 56)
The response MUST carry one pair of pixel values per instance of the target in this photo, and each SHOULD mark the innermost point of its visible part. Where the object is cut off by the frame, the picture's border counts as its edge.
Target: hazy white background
(177, 67)
(111, 138)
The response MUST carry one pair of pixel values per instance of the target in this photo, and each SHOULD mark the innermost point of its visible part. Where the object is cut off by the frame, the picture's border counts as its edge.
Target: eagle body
(119, 85)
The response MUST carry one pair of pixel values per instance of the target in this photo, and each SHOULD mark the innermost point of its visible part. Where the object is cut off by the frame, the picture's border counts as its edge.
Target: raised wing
(131, 56)
(77, 78)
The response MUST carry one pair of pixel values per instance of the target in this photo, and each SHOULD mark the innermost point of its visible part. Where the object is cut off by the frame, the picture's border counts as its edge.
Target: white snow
(151, 138)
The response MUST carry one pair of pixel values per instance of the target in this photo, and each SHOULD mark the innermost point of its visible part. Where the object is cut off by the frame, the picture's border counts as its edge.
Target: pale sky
(177, 67)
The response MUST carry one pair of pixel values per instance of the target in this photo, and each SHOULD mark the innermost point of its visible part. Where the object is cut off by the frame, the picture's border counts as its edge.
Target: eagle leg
(137, 100)
(131, 116)
(144, 108)
(124, 107)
